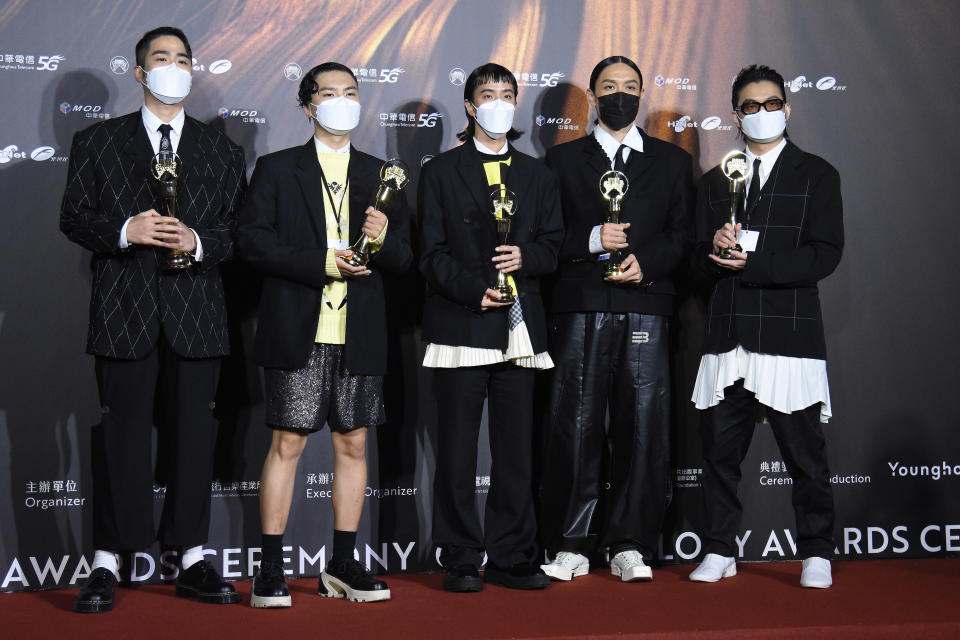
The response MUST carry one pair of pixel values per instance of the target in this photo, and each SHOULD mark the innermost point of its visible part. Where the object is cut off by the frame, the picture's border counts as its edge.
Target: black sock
(343, 544)
(271, 548)
(623, 546)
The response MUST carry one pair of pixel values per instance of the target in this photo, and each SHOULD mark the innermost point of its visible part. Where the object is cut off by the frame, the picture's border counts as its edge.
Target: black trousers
(508, 533)
(726, 431)
(123, 496)
(616, 365)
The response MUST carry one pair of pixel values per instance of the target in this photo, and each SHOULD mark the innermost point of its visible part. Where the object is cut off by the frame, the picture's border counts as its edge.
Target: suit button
(104, 409)
(466, 219)
(531, 228)
(212, 405)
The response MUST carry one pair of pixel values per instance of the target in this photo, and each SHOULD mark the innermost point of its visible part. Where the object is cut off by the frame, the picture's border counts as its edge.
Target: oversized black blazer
(772, 306)
(659, 207)
(282, 233)
(457, 241)
(109, 180)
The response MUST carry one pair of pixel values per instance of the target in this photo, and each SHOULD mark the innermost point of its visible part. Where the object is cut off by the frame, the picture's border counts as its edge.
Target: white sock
(191, 556)
(106, 560)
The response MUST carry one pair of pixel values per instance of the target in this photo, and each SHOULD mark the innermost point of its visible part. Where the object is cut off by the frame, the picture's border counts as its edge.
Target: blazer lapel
(474, 179)
(596, 158)
(308, 177)
(361, 180)
(639, 163)
(189, 148)
(789, 157)
(518, 181)
(136, 149)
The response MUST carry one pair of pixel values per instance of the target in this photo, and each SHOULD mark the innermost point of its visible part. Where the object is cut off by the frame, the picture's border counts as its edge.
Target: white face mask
(764, 126)
(495, 117)
(169, 84)
(339, 115)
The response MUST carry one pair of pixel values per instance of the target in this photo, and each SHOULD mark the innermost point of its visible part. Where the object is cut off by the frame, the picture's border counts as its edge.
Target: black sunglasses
(750, 107)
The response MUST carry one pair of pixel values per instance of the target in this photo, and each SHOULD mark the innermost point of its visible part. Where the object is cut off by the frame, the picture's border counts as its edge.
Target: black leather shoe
(96, 596)
(520, 576)
(463, 578)
(349, 579)
(202, 582)
(270, 587)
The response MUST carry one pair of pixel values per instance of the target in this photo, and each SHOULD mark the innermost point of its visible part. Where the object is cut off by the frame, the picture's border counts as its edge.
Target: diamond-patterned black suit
(153, 330)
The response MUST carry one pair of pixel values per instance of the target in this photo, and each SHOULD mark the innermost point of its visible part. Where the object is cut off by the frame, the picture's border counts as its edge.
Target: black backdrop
(873, 91)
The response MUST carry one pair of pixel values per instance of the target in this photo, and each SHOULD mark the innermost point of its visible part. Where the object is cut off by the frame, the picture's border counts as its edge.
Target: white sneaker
(566, 566)
(816, 573)
(713, 567)
(629, 566)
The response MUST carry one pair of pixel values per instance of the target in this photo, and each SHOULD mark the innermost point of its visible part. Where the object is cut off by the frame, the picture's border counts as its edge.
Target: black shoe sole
(468, 584)
(523, 584)
(209, 598)
(93, 606)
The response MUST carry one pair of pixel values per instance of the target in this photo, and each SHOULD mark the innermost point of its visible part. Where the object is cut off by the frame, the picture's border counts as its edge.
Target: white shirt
(519, 348)
(151, 123)
(322, 148)
(784, 383)
(609, 144)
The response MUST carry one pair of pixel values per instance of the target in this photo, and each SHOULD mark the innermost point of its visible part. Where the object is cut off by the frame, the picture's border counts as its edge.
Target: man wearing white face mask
(322, 333)
(480, 347)
(764, 342)
(150, 327)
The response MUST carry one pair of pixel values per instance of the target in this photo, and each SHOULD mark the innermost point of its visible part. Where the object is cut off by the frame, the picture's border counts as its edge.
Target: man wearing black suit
(764, 342)
(609, 338)
(321, 335)
(153, 328)
(480, 346)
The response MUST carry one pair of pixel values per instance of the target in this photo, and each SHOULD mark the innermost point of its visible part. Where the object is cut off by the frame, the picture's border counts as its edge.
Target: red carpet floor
(902, 599)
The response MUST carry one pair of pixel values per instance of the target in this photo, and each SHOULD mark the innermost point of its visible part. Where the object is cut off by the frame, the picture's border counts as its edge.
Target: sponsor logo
(710, 123)
(220, 66)
(679, 83)
(11, 152)
(933, 471)
(24, 62)
(395, 119)
(483, 484)
(42, 153)
(292, 71)
(687, 478)
(714, 123)
(250, 116)
(457, 76)
(238, 488)
(119, 65)
(829, 83)
(548, 79)
(558, 122)
(427, 158)
(66, 107)
(373, 74)
(800, 82)
(681, 124)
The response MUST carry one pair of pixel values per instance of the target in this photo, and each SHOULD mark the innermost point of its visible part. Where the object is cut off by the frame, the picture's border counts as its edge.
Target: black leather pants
(606, 483)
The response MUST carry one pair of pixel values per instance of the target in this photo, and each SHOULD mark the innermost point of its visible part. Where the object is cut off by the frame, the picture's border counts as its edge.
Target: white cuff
(596, 246)
(122, 242)
(198, 254)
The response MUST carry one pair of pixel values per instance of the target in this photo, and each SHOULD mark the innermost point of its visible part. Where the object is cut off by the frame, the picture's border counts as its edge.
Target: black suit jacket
(457, 239)
(773, 305)
(659, 208)
(108, 181)
(282, 233)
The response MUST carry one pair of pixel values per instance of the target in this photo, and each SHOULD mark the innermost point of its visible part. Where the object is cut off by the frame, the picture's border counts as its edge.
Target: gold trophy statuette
(504, 205)
(734, 165)
(166, 168)
(613, 186)
(394, 176)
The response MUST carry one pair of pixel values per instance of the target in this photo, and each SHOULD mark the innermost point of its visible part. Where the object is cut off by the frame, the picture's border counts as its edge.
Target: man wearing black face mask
(608, 337)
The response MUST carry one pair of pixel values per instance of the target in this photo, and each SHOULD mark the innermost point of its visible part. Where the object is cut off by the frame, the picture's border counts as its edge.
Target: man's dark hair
(606, 62)
(143, 45)
(309, 86)
(490, 72)
(755, 73)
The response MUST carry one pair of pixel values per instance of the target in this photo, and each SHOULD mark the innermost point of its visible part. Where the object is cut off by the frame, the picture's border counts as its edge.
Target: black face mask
(618, 110)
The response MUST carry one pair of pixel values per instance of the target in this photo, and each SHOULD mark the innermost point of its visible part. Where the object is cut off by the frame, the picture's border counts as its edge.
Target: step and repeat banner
(873, 91)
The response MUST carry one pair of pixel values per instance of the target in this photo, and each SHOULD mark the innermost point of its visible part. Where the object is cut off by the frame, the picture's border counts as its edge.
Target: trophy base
(358, 259)
(506, 295)
(178, 260)
(727, 254)
(612, 270)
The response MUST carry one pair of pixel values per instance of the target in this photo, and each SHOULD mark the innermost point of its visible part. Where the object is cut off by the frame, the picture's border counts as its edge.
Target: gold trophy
(166, 168)
(394, 176)
(734, 165)
(613, 186)
(504, 205)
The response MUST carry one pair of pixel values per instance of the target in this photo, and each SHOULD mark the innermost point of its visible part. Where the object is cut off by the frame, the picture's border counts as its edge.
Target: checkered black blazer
(133, 298)
(772, 306)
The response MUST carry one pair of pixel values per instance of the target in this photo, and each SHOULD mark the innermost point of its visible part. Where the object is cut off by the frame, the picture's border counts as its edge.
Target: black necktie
(165, 145)
(754, 191)
(619, 164)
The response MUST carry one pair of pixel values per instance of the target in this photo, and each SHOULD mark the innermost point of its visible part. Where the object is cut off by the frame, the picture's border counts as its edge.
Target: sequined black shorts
(322, 392)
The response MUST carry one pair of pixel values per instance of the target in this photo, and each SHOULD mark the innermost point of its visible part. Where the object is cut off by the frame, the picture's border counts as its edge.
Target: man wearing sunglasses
(764, 342)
